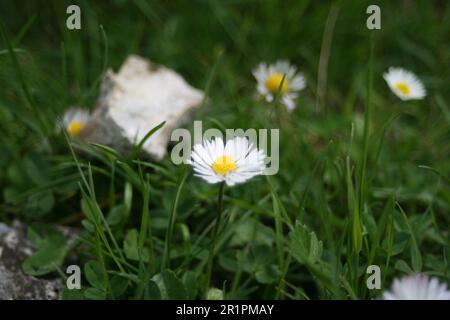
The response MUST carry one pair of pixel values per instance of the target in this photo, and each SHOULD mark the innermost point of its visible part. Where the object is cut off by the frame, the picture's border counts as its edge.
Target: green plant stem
(367, 116)
(172, 217)
(214, 236)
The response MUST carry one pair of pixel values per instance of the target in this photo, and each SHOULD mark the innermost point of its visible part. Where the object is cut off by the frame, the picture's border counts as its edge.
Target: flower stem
(214, 236)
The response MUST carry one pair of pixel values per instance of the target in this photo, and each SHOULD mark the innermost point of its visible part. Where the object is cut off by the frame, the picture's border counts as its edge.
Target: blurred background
(215, 45)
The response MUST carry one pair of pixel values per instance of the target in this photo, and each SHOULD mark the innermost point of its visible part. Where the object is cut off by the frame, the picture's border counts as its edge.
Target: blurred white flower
(417, 287)
(269, 80)
(74, 120)
(214, 294)
(404, 84)
(235, 162)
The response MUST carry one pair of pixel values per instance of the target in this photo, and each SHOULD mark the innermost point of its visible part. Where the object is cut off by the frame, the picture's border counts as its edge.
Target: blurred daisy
(234, 162)
(269, 79)
(417, 287)
(404, 84)
(74, 120)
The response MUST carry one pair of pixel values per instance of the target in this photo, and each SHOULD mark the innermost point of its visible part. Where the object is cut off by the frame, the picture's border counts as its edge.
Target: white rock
(135, 100)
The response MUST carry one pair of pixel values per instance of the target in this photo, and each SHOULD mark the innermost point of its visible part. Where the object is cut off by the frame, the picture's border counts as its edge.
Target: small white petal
(248, 161)
(417, 287)
(398, 76)
(289, 103)
(295, 81)
(75, 114)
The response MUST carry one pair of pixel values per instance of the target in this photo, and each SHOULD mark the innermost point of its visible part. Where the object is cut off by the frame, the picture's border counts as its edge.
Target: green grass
(363, 180)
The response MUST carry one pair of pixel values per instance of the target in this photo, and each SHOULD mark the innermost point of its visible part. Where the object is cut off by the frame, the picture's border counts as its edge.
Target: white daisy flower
(417, 287)
(269, 80)
(235, 162)
(404, 84)
(74, 120)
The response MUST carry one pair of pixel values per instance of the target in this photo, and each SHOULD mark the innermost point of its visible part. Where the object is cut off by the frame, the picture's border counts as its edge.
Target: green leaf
(353, 205)
(95, 294)
(137, 149)
(416, 257)
(258, 257)
(170, 286)
(93, 273)
(10, 195)
(74, 294)
(268, 274)
(34, 167)
(252, 231)
(315, 247)
(307, 250)
(131, 248)
(305, 245)
(403, 266)
(172, 219)
(87, 210)
(152, 291)
(190, 283)
(229, 261)
(88, 225)
(116, 215)
(118, 285)
(38, 204)
(108, 151)
(16, 174)
(447, 258)
(50, 253)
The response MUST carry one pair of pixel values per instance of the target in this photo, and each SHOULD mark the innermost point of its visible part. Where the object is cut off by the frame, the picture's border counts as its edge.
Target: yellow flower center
(403, 88)
(273, 82)
(223, 165)
(74, 128)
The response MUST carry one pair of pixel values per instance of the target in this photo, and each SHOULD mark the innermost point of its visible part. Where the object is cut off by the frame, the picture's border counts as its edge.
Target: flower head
(74, 120)
(417, 287)
(270, 81)
(404, 84)
(234, 162)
